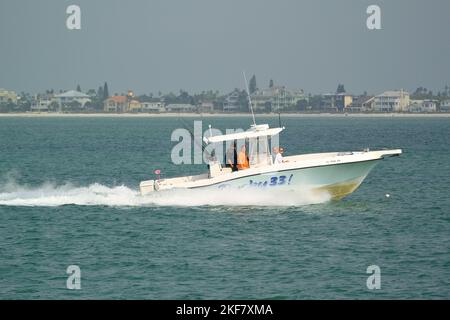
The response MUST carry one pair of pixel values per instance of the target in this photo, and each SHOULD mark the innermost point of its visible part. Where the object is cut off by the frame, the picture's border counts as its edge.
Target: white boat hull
(337, 174)
(337, 180)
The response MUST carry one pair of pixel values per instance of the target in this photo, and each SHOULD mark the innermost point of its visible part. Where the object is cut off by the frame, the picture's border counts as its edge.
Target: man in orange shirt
(242, 159)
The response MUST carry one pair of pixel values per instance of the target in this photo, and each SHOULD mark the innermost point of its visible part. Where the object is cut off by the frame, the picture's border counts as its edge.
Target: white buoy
(387, 195)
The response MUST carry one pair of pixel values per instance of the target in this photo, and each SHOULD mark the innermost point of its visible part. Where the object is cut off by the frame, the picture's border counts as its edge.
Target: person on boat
(274, 154)
(242, 159)
(231, 157)
(278, 156)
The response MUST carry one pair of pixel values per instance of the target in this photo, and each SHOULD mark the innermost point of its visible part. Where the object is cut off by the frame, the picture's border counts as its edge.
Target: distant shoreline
(224, 115)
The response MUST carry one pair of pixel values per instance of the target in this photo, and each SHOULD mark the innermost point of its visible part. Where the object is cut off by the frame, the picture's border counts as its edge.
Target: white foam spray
(52, 195)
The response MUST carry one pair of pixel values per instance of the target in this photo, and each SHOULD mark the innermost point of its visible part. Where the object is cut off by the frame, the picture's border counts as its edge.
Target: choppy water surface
(69, 196)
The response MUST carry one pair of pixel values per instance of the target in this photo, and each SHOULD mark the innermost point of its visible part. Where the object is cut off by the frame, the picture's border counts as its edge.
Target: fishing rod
(249, 98)
(279, 111)
(279, 118)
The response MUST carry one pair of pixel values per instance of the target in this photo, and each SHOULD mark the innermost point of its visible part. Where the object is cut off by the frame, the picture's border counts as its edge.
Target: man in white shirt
(278, 155)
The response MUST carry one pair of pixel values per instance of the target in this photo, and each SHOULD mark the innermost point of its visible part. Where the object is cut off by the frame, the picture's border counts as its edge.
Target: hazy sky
(167, 45)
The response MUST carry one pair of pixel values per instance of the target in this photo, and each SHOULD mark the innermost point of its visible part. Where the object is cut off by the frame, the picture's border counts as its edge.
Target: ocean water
(69, 196)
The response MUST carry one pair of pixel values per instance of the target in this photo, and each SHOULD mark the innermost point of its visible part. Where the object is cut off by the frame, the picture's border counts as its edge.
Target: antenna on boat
(249, 98)
(278, 106)
(279, 118)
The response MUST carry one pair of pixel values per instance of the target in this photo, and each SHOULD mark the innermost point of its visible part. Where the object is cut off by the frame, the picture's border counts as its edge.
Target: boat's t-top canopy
(258, 137)
(254, 132)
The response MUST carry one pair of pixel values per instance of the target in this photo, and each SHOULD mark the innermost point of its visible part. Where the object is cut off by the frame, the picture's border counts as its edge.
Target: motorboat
(336, 173)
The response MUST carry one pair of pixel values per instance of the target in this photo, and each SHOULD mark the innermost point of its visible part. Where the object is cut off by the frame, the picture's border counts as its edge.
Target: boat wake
(52, 195)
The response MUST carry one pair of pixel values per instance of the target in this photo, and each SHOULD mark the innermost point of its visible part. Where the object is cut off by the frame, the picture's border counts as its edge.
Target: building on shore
(152, 107)
(41, 104)
(361, 104)
(422, 106)
(232, 101)
(276, 98)
(116, 104)
(207, 107)
(336, 102)
(392, 101)
(429, 105)
(181, 107)
(445, 106)
(7, 96)
(133, 105)
(70, 98)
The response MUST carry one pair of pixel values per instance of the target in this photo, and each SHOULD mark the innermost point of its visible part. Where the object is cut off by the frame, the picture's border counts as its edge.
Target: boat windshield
(257, 139)
(259, 154)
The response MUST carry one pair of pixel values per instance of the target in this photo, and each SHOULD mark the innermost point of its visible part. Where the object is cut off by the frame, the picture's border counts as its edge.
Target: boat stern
(147, 187)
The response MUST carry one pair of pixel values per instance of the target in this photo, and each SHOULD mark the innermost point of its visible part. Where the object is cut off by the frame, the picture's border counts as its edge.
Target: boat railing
(177, 180)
